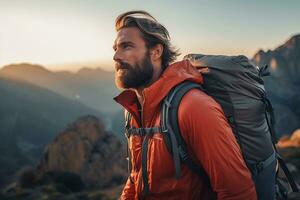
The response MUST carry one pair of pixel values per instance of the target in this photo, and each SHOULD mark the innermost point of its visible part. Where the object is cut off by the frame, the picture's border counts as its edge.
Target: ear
(156, 52)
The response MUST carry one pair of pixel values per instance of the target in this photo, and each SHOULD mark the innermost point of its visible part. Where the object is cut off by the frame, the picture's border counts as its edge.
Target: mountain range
(93, 87)
(283, 86)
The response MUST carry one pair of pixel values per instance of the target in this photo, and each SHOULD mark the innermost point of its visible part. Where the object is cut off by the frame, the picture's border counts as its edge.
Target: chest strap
(146, 133)
(141, 131)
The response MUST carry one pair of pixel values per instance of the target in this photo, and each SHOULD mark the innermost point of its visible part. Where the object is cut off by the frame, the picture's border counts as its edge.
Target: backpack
(237, 85)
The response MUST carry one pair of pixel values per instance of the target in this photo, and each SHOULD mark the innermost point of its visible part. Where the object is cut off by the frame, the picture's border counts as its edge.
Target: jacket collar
(155, 93)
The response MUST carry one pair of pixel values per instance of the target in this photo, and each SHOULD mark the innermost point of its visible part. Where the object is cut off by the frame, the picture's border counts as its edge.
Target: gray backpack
(237, 85)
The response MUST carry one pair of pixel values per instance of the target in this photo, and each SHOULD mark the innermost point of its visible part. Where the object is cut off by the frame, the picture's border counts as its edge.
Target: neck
(139, 91)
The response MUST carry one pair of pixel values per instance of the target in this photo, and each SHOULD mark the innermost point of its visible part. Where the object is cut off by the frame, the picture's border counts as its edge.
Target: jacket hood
(173, 75)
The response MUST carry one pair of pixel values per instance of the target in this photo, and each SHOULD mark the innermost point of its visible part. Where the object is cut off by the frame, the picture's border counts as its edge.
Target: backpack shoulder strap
(146, 133)
(171, 132)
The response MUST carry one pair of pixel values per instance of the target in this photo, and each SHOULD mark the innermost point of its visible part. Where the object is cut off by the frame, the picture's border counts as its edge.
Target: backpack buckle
(164, 130)
(141, 131)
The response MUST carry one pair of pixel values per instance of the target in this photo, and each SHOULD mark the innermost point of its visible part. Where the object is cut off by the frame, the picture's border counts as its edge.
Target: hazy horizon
(71, 67)
(69, 35)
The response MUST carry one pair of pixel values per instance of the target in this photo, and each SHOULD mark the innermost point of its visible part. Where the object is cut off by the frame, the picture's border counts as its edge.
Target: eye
(126, 46)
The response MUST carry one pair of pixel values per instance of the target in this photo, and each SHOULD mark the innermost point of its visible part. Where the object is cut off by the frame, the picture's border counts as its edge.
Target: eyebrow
(122, 43)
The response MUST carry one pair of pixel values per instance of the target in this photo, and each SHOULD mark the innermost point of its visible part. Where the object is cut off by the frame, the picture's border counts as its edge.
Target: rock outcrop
(86, 149)
(84, 162)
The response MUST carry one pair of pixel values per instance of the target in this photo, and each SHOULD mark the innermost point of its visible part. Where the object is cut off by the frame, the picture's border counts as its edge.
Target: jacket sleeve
(212, 143)
(128, 192)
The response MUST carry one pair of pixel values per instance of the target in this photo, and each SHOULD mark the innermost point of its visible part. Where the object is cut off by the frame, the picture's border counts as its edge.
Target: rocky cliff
(283, 86)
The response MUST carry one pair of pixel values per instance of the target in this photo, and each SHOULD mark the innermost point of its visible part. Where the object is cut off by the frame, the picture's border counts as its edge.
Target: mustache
(122, 65)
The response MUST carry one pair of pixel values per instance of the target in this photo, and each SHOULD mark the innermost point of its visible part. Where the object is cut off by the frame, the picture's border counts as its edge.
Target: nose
(117, 56)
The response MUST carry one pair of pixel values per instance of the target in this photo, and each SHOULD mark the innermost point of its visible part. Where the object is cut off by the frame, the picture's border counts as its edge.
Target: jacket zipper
(142, 125)
(142, 109)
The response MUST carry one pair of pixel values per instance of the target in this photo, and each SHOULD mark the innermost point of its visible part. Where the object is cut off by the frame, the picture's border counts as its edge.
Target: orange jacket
(207, 134)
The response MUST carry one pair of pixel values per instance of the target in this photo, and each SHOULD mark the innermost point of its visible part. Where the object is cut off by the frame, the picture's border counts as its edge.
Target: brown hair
(152, 31)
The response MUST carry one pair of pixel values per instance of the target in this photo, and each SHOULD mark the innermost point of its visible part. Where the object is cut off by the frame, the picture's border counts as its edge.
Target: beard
(134, 76)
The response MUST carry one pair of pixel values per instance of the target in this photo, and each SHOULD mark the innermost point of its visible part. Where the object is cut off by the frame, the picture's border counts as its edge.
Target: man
(143, 54)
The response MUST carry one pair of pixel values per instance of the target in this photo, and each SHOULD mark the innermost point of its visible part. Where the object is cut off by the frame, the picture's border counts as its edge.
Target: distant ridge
(284, 84)
(93, 87)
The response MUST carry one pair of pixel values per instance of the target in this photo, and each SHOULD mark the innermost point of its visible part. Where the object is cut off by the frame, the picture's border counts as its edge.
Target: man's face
(133, 67)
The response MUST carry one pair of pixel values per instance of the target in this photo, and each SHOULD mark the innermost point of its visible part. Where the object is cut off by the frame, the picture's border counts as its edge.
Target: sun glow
(51, 40)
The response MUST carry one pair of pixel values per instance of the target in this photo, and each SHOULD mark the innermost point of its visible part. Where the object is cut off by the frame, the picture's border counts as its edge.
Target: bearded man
(144, 68)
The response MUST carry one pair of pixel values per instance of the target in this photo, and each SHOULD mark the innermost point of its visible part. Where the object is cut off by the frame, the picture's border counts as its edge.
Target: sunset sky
(68, 34)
